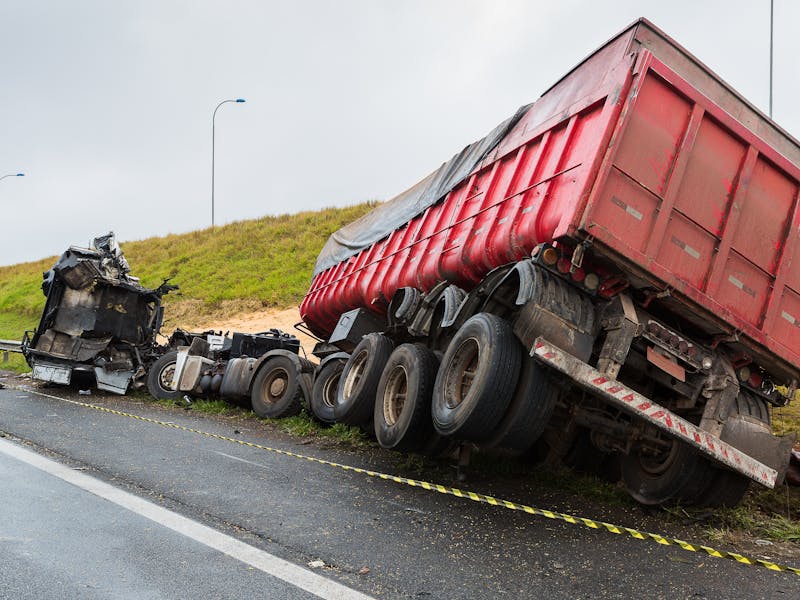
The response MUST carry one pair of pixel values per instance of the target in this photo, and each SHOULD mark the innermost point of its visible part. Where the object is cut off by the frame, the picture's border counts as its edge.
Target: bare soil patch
(257, 321)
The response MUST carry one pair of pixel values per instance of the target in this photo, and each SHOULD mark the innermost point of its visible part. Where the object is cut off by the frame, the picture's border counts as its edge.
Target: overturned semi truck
(610, 277)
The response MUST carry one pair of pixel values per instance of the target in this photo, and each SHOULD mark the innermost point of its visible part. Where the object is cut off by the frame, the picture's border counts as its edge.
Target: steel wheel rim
(166, 376)
(355, 374)
(462, 372)
(395, 394)
(275, 385)
(329, 390)
(660, 463)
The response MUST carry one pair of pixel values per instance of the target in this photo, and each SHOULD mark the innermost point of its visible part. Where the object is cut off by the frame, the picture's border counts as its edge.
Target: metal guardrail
(7, 346)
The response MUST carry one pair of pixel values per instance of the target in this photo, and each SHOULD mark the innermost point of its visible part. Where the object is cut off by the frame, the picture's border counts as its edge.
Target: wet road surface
(377, 537)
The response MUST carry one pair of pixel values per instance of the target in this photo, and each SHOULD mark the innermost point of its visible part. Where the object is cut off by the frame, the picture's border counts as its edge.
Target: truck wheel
(403, 399)
(159, 377)
(583, 457)
(276, 391)
(477, 378)
(358, 383)
(727, 488)
(323, 397)
(529, 411)
(659, 478)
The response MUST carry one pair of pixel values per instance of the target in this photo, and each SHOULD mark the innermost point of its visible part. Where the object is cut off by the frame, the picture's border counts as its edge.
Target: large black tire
(666, 477)
(725, 487)
(403, 399)
(323, 396)
(276, 391)
(583, 457)
(159, 377)
(477, 378)
(358, 383)
(529, 411)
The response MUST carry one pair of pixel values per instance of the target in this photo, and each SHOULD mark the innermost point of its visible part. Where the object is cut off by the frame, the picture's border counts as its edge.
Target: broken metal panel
(112, 381)
(52, 373)
(77, 311)
(192, 371)
(123, 315)
(78, 268)
(68, 347)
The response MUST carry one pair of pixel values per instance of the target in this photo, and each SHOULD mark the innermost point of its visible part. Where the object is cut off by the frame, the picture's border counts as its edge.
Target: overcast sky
(106, 105)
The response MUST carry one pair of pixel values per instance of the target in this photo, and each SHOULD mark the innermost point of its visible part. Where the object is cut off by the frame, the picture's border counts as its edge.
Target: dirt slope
(252, 322)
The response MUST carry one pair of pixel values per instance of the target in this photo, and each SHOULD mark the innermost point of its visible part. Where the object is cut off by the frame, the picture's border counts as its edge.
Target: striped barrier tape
(451, 491)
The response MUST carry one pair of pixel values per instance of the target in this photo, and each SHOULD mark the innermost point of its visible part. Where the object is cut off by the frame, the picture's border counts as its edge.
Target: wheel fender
(453, 298)
(337, 356)
(421, 323)
(523, 277)
(272, 353)
(547, 307)
(475, 301)
(404, 306)
(450, 297)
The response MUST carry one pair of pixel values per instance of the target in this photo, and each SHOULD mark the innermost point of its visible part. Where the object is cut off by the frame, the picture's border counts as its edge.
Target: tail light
(550, 256)
(591, 282)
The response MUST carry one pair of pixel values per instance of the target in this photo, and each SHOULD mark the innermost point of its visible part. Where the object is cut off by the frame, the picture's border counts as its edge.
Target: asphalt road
(60, 541)
(380, 538)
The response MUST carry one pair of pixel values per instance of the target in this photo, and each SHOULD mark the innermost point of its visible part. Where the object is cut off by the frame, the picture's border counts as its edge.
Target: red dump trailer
(634, 231)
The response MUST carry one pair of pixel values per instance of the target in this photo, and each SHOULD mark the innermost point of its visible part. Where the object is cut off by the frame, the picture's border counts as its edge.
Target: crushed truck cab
(98, 321)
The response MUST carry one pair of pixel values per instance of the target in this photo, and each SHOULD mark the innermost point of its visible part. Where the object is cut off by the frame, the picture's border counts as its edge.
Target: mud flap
(752, 438)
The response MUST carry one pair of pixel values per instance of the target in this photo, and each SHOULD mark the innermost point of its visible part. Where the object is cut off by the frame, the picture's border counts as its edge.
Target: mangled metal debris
(98, 321)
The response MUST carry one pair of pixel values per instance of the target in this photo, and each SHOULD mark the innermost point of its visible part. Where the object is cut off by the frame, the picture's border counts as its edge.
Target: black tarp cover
(381, 221)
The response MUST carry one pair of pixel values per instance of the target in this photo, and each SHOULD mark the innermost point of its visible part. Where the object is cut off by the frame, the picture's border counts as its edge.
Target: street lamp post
(213, 136)
(12, 175)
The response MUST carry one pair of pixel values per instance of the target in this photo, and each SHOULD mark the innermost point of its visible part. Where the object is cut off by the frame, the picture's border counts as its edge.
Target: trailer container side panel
(496, 216)
(703, 205)
(676, 178)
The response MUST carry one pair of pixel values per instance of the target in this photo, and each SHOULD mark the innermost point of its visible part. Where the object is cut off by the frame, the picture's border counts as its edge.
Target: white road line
(243, 460)
(259, 559)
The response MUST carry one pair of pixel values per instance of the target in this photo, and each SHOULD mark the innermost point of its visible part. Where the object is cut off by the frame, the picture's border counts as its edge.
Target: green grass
(304, 425)
(786, 419)
(263, 263)
(12, 326)
(764, 514)
(215, 407)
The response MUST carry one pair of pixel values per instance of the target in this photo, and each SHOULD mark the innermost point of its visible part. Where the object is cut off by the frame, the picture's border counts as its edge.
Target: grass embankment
(240, 267)
(21, 303)
(244, 266)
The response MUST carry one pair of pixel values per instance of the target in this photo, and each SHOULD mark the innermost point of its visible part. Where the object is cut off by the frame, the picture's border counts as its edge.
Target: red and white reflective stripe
(643, 407)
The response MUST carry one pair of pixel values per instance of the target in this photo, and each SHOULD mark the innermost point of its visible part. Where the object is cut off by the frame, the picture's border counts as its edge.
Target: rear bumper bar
(637, 405)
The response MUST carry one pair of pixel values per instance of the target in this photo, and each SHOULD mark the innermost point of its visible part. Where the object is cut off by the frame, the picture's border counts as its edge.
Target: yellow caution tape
(451, 491)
